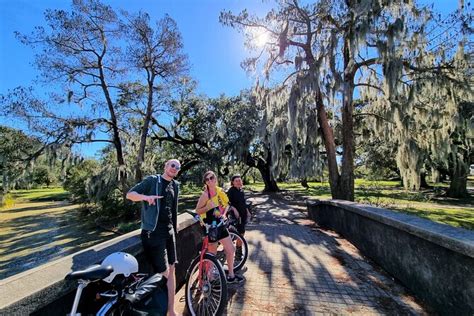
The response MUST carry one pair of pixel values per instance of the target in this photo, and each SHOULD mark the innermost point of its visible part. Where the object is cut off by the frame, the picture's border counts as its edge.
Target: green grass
(429, 204)
(43, 194)
(39, 227)
(34, 195)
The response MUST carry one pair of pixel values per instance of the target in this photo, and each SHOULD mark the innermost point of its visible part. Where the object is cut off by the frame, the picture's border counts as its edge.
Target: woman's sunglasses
(175, 166)
(210, 178)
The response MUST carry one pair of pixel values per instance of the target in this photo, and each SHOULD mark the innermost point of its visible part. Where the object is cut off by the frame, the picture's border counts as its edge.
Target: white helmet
(123, 263)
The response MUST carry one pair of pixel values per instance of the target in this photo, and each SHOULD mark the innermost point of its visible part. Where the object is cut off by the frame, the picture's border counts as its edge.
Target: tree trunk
(263, 167)
(330, 145)
(342, 186)
(346, 185)
(270, 183)
(5, 182)
(144, 132)
(423, 183)
(4, 189)
(122, 171)
(304, 183)
(458, 177)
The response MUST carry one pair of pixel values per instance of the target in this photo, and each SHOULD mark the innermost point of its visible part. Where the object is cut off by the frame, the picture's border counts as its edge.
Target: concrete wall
(43, 290)
(435, 261)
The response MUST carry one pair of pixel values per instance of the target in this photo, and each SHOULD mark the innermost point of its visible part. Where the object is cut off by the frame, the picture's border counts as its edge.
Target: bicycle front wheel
(206, 293)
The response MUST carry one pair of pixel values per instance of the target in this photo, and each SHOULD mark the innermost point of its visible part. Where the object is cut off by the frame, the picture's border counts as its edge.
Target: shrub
(77, 178)
(6, 200)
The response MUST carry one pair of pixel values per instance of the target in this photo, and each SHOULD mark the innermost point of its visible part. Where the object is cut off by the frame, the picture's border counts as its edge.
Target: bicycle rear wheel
(206, 294)
(241, 254)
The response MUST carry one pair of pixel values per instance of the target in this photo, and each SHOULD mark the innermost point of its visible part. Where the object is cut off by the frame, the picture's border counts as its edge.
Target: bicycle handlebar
(198, 218)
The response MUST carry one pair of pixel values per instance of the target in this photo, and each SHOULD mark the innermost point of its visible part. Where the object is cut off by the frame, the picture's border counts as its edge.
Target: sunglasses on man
(175, 166)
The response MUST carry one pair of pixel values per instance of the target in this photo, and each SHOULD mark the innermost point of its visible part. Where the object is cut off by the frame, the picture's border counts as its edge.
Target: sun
(260, 37)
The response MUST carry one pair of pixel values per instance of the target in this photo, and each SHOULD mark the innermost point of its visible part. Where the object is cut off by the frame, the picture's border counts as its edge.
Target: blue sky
(215, 51)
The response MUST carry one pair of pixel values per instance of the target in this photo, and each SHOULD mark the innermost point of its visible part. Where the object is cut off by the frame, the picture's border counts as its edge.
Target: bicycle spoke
(200, 309)
(214, 300)
(209, 308)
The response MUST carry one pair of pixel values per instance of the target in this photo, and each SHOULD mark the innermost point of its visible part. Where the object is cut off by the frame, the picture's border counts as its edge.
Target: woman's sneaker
(235, 279)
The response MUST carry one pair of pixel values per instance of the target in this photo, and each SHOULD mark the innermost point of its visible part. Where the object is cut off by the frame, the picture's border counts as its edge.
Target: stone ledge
(26, 292)
(435, 261)
(453, 238)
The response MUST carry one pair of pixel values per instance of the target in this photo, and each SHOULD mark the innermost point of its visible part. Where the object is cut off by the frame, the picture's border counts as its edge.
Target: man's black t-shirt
(166, 204)
(237, 200)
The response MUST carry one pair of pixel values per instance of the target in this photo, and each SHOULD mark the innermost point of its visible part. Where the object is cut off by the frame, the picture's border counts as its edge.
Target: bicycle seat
(92, 273)
(147, 287)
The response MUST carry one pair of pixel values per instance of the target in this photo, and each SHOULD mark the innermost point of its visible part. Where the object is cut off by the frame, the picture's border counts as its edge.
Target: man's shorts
(239, 224)
(159, 250)
(240, 227)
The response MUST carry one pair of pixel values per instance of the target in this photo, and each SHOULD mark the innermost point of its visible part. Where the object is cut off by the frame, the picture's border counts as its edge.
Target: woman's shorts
(222, 233)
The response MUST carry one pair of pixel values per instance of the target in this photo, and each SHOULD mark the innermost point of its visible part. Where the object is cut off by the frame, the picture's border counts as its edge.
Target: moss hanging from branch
(290, 115)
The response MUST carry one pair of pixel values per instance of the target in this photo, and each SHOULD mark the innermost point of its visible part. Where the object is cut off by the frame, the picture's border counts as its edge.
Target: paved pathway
(295, 268)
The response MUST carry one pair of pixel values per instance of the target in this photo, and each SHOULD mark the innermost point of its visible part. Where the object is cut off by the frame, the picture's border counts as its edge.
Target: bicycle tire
(211, 298)
(238, 262)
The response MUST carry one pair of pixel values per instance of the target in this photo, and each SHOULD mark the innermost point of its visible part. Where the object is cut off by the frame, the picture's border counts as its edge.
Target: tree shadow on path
(295, 267)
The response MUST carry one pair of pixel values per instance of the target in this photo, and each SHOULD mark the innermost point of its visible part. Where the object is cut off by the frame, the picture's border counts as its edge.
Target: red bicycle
(206, 284)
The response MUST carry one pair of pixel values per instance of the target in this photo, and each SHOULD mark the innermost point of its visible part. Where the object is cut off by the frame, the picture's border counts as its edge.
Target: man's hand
(151, 198)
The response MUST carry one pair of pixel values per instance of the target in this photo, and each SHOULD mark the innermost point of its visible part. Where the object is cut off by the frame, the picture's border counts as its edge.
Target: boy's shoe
(235, 279)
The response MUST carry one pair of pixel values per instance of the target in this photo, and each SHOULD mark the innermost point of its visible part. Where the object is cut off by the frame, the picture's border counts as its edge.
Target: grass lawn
(43, 194)
(39, 225)
(430, 204)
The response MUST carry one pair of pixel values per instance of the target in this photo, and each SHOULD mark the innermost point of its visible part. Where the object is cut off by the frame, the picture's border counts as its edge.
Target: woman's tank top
(220, 201)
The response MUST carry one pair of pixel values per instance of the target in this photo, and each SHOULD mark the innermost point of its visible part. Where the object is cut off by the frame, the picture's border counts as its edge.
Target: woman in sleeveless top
(211, 206)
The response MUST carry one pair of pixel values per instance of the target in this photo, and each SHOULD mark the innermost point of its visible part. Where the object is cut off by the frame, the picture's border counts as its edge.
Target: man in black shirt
(159, 216)
(237, 202)
(239, 209)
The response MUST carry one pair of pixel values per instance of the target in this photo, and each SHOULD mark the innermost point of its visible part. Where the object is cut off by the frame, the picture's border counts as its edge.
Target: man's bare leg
(171, 284)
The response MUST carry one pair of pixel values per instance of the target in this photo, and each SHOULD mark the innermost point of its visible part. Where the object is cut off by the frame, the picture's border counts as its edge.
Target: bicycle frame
(204, 248)
(103, 310)
(113, 294)
(205, 244)
(206, 284)
(77, 297)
